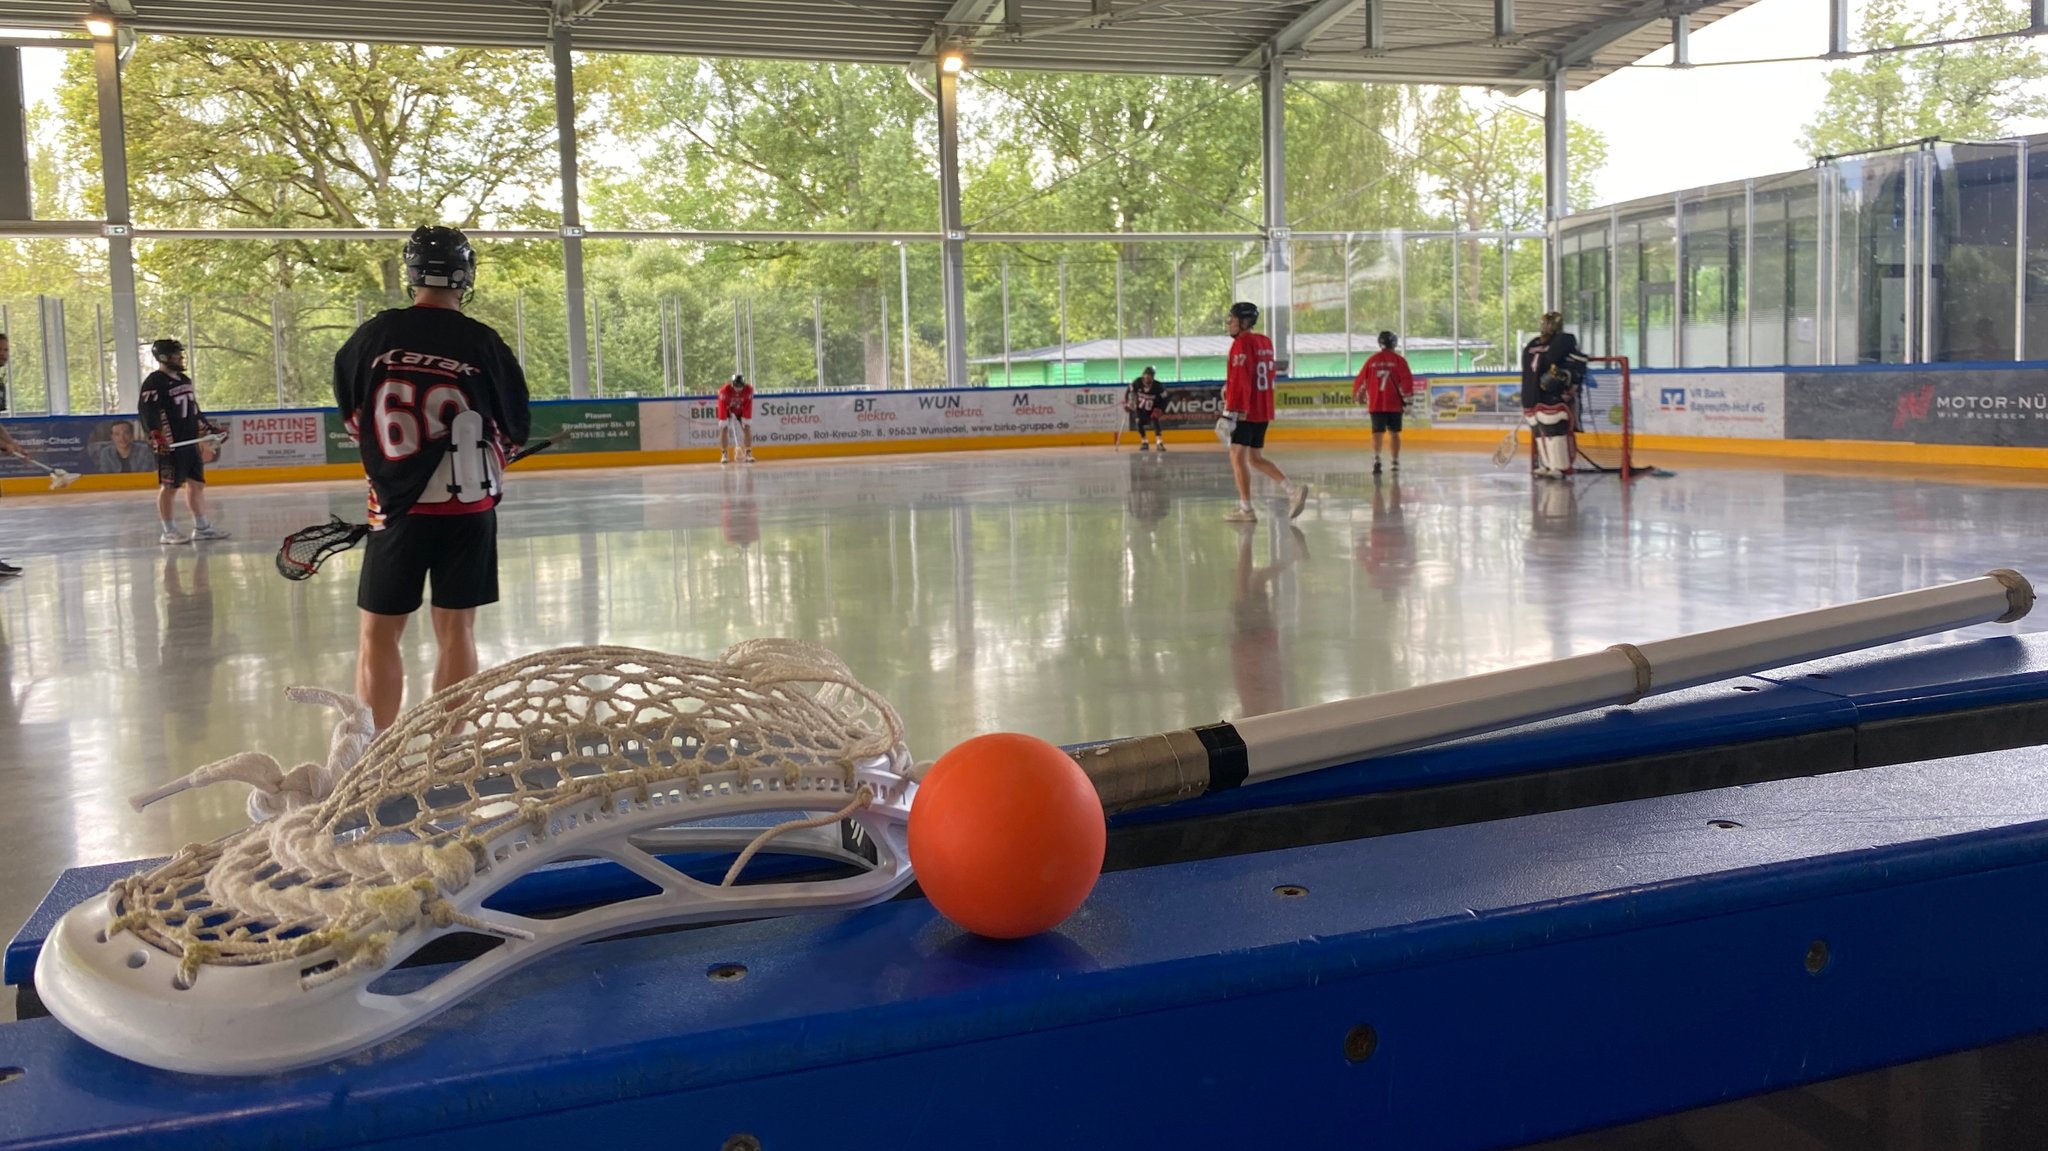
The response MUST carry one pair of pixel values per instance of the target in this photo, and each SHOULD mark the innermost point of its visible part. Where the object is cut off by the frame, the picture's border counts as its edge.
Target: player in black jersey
(1146, 400)
(169, 407)
(437, 402)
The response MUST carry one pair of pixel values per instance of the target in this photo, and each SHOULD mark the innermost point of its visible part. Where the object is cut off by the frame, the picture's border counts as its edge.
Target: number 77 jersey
(435, 400)
(1248, 380)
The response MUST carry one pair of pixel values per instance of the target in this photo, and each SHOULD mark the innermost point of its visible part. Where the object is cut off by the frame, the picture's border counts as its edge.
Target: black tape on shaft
(1229, 764)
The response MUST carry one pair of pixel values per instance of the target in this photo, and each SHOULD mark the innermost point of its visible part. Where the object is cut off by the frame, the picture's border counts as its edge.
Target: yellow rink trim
(1866, 451)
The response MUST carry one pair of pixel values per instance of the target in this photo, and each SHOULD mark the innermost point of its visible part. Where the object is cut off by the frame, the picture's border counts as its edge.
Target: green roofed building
(1317, 354)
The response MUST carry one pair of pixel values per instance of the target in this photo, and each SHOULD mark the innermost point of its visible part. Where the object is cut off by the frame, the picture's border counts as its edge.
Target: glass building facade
(1935, 254)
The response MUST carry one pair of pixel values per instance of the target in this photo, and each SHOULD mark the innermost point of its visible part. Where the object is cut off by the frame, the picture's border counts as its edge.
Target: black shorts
(459, 552)
(183, 466)
(1387, 422)
(1141, 418)
(1249, 434)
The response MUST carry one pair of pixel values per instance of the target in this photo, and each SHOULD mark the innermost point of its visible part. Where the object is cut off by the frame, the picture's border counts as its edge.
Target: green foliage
(244, 133)
(1963, 92)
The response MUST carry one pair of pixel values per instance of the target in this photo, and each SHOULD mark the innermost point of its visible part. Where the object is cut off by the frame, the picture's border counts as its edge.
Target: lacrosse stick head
(61, 479)
(305, 550)
(1505, 451)
(264, 950)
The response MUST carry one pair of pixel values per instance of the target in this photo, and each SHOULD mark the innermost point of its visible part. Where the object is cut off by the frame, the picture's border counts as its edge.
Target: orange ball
(1006, 835)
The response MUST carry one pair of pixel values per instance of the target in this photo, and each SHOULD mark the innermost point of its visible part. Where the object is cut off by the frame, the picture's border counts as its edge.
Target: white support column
(1376, 27)
(1680, 279)
(1556, 173)
(106, 60)
(2019, 283)
(903, 282)
(1347, 304)
(1838, 28)
(1681, 40)
(572, 217)
(1749, 273)
(818, 333)
(1504, 19)
(953, 244)
(1279, 305)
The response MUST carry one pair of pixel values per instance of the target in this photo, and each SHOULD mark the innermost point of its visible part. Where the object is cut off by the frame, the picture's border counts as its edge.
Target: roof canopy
(1422, 41)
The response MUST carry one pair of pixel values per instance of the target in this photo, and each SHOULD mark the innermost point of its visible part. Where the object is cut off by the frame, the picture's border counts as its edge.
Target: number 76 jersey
(436, 401)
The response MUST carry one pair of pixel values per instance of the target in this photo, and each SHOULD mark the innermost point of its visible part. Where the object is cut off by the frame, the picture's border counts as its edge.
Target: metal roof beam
(1299, 33)
(1580, 51)
(969, 18)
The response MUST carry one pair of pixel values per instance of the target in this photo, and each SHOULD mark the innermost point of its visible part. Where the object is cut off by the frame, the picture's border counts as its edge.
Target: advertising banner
(81, 445)
(1473, 401)
(1984, 407)
(847, 418)
(590, 425)
(1728, 405)
(273, 439)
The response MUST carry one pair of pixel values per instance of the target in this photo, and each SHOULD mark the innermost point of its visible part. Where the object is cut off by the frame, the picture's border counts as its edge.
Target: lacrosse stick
(303, 551)
(1504, 453)
(211, 438)
(260, 952)
(59, 478)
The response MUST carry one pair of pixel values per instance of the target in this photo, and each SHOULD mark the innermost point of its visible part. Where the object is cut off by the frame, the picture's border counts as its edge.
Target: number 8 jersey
(436, 401)
(1248, 379)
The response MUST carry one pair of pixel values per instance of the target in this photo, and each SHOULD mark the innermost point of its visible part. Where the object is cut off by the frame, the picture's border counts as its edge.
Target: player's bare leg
(1241, 472)
(195, 499)
(724, 439)
(747, 438)
(1378, 436)
(166, 507)
(380, 666)
(455, 639)
(1297, 494)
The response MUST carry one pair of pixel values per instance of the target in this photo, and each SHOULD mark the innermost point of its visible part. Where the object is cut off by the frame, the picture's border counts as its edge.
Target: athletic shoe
(173, 538)
(211, 533)
(1143, 446)
(1240, 516)
(1162, 445)
(750, 457)
(1297, 500)
(1397, 465)
(8, 570)
(1376, 465)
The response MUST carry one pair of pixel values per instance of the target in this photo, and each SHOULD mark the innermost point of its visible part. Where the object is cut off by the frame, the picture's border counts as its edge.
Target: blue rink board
(1522, 979)
(1833, 693)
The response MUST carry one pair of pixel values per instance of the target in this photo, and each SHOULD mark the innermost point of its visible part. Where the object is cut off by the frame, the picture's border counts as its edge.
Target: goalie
(1553, 370)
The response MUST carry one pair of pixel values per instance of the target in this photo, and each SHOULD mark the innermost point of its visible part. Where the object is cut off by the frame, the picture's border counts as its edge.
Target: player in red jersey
(1247, 410)
(736, 419)
(1383, 386)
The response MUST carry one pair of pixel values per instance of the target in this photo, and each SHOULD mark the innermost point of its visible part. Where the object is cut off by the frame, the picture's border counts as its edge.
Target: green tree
(302, 134)
(1961, 92)
(764, 145)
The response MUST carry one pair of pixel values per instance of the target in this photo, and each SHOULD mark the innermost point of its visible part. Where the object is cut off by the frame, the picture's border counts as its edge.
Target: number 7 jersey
(436, 401)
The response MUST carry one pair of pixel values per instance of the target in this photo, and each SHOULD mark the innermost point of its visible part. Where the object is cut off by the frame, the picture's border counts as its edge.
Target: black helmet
(1388, 340)
(165, 348)
(439, 257)
(1247, 313)
(739, 380)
